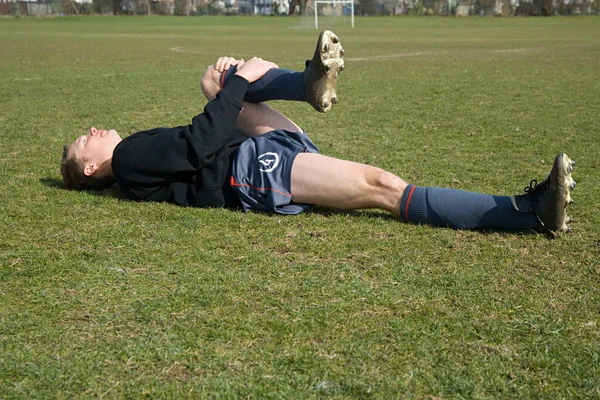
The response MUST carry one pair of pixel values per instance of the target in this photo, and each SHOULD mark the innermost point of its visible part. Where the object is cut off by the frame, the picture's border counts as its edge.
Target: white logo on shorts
(268, 161)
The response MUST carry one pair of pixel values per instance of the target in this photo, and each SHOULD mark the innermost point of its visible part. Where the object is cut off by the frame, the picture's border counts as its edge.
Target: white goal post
(333, 3)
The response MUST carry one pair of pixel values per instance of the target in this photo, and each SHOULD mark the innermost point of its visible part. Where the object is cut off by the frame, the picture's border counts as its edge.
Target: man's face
(94, 148)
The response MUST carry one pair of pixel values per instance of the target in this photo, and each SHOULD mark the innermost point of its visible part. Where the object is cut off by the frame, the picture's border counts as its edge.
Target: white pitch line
(515, 50)
(182, 50)
(425, 53)
(387, 56)
(380, 57)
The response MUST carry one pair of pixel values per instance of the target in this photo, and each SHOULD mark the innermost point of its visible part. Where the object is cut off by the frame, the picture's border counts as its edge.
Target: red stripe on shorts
(232, 182)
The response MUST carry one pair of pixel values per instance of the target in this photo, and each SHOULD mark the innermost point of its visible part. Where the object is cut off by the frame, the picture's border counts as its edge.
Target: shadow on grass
(53, 183)
(326, 212)
(112, 191)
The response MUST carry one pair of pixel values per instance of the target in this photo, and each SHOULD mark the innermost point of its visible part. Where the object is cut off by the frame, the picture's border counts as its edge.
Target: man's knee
(210, 72)
(379, 179)
(210, 82)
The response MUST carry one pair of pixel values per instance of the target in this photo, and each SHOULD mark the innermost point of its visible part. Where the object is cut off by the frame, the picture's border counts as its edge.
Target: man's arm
(212, 129)
(252, 70)
(254, 119)
(195, 145)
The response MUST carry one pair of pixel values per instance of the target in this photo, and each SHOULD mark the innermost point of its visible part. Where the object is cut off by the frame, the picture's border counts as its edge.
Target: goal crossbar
(334, 3)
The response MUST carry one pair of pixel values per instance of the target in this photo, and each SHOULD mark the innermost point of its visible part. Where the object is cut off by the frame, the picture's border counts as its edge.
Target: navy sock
(276, 84)
(460, 209)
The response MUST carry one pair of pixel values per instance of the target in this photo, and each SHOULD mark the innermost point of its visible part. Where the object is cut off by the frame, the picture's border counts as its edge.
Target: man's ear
(90, 169)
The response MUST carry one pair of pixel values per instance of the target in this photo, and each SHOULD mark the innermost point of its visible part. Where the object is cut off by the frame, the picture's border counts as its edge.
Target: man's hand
(254, 68)
(223, 63)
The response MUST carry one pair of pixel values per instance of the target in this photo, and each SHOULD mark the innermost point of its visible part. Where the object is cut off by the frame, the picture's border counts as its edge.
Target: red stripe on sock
(222, 78)
(412, 189)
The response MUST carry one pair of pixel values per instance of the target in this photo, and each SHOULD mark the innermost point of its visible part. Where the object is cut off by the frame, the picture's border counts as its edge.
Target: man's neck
(105, 169)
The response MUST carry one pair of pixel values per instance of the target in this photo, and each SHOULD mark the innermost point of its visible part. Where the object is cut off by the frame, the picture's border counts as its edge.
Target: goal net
(329, 13)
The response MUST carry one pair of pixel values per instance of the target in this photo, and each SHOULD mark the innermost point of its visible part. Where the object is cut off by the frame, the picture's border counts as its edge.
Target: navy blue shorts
(261, 174)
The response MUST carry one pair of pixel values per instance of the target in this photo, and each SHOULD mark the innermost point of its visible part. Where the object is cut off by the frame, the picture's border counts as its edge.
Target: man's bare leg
(326, 181)
(255, 119)
(331, 182)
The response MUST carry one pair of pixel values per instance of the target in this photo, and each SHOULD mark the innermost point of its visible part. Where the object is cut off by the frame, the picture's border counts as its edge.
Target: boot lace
(536, 189)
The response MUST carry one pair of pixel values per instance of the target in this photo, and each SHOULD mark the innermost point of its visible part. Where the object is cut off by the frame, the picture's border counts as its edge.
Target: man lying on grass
(240, 153)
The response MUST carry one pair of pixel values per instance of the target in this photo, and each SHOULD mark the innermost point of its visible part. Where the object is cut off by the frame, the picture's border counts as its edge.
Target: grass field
(103, 297)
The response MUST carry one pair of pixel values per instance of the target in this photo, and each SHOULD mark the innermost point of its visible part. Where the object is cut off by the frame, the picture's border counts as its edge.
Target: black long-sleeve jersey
(186, 165)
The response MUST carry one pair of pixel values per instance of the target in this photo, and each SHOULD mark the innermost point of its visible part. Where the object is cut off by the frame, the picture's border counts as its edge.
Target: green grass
(103, 297)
